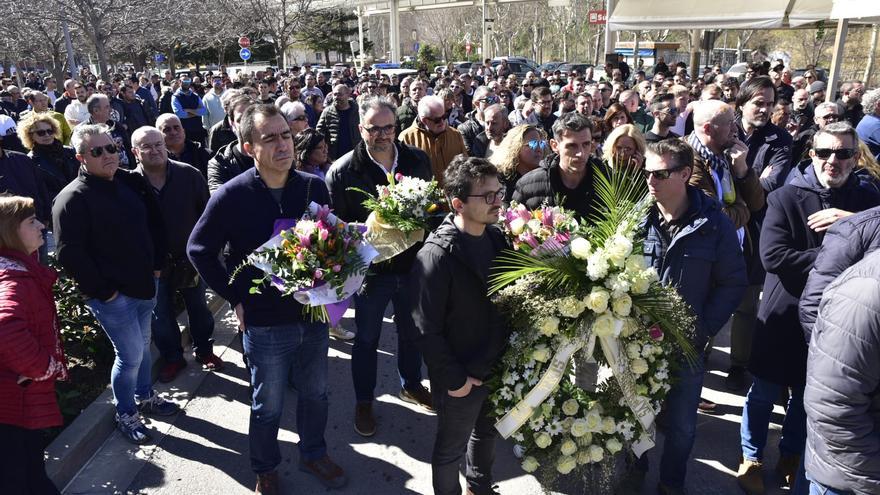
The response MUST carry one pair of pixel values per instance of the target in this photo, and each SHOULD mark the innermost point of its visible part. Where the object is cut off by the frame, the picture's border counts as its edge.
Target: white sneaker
(341, 333)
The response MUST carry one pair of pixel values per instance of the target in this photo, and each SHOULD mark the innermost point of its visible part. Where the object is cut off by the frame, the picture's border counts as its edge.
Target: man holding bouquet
(460, 332)
(278, 342)
(376, 157)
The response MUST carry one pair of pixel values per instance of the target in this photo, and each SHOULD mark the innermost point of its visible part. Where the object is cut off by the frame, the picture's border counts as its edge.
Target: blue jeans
(126, 321)
(165, 328)
(681, 423)
(820, 489)
(756, 420)
(370, 306)
(275, 353)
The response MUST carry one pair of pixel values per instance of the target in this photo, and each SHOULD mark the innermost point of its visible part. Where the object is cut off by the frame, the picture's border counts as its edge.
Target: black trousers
(22, 468)
(464, 429)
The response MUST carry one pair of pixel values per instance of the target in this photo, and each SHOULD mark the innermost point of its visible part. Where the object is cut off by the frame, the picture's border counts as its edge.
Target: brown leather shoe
(364, 422)
(326, 471)
(169, 371)
(268, 484)
(419, 396)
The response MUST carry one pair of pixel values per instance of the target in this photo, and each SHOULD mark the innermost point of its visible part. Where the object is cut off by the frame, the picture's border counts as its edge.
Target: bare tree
(278, 21)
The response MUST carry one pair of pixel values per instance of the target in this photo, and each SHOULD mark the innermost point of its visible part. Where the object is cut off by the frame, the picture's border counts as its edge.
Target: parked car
(738, 70)
(550, 66)
(518, 65)
(822, 73)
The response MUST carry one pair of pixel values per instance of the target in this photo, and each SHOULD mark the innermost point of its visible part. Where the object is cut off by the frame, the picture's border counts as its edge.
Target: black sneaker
(736, 379)
(132, 428)
(419, 396)
(157, 406)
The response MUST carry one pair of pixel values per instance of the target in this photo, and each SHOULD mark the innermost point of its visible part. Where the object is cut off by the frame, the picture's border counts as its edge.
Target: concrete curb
(73, 448)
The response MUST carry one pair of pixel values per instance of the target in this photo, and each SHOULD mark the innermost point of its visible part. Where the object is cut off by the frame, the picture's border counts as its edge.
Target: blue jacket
(240, 217)
(703, 261)
(788, 250)
(869, 132)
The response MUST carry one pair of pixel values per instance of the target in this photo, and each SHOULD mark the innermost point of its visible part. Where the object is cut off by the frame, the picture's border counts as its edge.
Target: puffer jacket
(703, 261)
(845, 244)
(788, 248)
(544, 185)
(329, 124)
(31, 358)
(842, 396)
(220, 135)
(460, 332)
(406, 115)
(229, 162)
(469, 130)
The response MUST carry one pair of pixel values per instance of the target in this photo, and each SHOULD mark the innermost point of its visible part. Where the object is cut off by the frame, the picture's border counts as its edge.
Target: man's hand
(823, 219)
(114, 296)
(738, 151)
(466, 388)
(239, 315)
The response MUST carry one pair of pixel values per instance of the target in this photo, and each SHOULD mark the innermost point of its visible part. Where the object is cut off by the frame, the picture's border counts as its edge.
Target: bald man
(179, 148)
(431, 133)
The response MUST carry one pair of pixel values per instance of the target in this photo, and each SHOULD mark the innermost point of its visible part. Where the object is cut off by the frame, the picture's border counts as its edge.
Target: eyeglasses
(98, 151)
(489, 100)
(436, 120)
(661, 174)
(490, 196)
(43, 132)
(831, 117)
(536, 144)
(841, 154)
(376, 130)
(298, 118)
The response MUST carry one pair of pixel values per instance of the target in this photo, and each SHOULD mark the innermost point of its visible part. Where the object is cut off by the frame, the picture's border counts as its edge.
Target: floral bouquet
(595, 337)
(319, 260)
(400, 213)
(540, 232)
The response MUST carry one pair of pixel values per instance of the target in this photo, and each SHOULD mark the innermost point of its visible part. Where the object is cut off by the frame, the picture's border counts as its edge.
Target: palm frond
(557, 272)
(620, 196)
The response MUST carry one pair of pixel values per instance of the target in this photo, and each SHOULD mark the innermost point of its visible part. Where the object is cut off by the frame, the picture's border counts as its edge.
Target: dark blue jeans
(276, 353)
(681, 423)
(820, 489)
(166, 331)
(370, 306)
(756, 420)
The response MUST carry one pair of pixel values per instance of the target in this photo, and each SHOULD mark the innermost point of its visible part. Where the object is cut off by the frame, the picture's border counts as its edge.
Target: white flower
(632, 351)
(622, 305)
(566, 464)
(640, 285)
(608, 425)
(535, 225)
(570, 307)
(529, 464)
(597, 265)
(648, 350)
(639, 366)
(596, 453)
(597, 300)
(627, 429)
(618, 248)
(630, 326)
(635, 263)
(613, 445)
(541, 353)
(570, 407)
(583, 457)
(585, 440)
(580, 248)
(603, 325)
(579, 428)
(517, 225)
(594, 421)
(549, 326)
(555, 428)
(568, 447)
(543, 440)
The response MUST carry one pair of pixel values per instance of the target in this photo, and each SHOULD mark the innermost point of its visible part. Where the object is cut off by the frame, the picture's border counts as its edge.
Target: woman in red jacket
(31, 358)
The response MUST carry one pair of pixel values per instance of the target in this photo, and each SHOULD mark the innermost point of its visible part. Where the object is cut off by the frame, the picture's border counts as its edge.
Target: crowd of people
(149, 187)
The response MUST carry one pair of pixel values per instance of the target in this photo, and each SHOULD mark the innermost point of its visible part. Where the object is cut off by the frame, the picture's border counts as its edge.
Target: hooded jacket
(788, 248)
(459, 331)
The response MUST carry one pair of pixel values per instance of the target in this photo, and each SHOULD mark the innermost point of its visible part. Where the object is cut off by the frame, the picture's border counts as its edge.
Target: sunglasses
(299, 118)
(437, 120)
(489, 99)
(661, 174)
(43, 132)
(98, 151)
(841, 154)
(537, 144)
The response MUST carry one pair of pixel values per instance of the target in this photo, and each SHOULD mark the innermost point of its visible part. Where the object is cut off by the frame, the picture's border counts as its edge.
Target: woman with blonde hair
(624, 145)
(520, 152)
(31, 357)
(57, 164)
(867, 169)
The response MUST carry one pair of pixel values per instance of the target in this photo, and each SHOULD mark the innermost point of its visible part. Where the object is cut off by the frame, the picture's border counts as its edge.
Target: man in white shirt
(77, 111)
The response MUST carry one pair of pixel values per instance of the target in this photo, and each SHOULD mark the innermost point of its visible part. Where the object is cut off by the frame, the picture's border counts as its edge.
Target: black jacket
(109, 235)
(329, 124)
(19, 175)
(479, 146)
(459, 331)
(220, 135)
(469, 130)
(788, 249)
(845, 244)
(229, 162)
(544, 184)
(195, 155)
(57, 166)
(357, 169)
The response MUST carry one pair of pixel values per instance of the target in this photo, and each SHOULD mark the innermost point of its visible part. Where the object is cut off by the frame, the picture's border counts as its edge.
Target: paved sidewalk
(205, 449)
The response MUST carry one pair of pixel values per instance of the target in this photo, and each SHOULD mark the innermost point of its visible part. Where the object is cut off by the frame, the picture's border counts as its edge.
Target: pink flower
(562, 236)
(323, 234)
(300, 256)
(305, 241)
(398, 176)
(323, 211)
(337, 268)
(319, 274)
(656, 332)
(547, 216)
(523, 212)
(529, 239)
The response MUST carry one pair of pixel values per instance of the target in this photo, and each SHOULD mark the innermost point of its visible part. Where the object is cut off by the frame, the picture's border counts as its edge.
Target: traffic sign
(416, 47)
(598, 17)
(244, 42)
(159, 57)
(468, 47)
(245, 54)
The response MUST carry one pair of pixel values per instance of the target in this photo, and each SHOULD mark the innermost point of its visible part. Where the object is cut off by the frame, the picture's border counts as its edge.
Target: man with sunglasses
(665, 113)
(470, 129)
(825, 113)
(370, 163)
(818, 193)
(432, 134)
(693, 246)
(459, 330)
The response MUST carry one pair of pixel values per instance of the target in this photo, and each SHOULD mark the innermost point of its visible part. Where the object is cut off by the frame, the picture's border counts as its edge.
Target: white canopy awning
(861, 10)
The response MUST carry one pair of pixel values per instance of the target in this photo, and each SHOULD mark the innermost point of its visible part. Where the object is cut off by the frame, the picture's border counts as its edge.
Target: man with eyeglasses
(537, 111)
(665, 113)
(474, 125)
(181, 192)
(869, 126)
(432, 134)
(818, 193)
(825, 113)
(694, 247)
(339, 122)
(367, 166)
(460, 332)
(111, 241)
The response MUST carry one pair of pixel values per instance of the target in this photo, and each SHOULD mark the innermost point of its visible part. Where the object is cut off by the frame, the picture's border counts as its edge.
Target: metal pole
(485, 33)
(836, 59)
(359, 13)
(395, 30)
(609, 33)
(69, 46)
